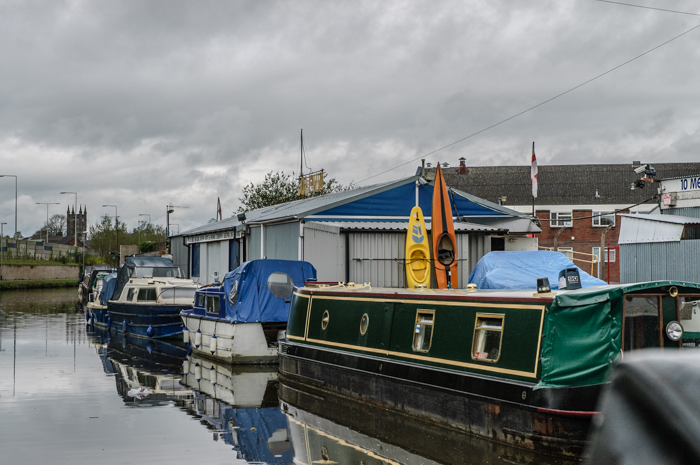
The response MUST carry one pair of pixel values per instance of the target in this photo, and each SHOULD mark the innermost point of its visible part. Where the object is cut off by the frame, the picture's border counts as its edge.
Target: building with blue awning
(351, 236)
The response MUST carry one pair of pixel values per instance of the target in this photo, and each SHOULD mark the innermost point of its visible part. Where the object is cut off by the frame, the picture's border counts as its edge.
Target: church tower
(72, 218)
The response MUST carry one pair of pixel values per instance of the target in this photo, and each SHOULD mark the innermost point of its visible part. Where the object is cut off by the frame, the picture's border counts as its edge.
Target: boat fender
(124, 326)
(87, 316)
(124, 343)
(109, 323)
(198, 372)
(186, 366)
(198, 339)
(189, 350)
(212, 375)
(185, 334)
(212, 344)
(150, 346)
(150, 331)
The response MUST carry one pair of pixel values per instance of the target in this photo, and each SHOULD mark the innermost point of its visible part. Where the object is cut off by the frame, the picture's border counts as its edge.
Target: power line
(648, 7)
(533, 107)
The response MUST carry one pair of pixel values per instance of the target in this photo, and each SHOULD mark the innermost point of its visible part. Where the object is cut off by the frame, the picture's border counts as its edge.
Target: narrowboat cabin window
(130, 294)
(423, 336)
(364, 324)
(324, 320)
(147, 295)
(641, 324)
(487, 337)
(213, 304)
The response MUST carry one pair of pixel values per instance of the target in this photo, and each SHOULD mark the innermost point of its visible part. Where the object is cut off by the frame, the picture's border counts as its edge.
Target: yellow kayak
(417, 251)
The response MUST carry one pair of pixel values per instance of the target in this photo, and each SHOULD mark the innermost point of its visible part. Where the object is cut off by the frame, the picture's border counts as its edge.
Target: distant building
(575, 203)
(73, 220)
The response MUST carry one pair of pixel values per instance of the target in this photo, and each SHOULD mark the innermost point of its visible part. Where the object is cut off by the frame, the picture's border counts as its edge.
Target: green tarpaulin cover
(582, 333)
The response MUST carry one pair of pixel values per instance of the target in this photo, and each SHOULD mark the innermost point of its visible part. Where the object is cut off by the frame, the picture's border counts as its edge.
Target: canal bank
(37, 284)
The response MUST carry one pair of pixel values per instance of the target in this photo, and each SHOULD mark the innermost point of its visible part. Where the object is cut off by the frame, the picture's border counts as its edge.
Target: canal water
(71, 394)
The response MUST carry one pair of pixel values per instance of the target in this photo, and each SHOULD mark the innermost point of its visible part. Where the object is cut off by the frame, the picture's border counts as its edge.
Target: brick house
(575, 203)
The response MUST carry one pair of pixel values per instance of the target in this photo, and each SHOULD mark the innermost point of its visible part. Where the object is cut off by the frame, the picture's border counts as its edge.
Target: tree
(56, 227)
(280, 188)
(103, 237)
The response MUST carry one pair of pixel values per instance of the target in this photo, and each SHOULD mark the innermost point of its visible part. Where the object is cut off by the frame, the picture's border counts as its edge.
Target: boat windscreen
(178, 293)
(156, 272)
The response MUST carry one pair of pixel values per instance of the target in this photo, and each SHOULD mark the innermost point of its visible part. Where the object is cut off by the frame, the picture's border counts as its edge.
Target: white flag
(533, 174)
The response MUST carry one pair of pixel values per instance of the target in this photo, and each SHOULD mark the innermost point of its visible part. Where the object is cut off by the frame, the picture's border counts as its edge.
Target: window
(364, 324)
(147, 295)
(603, 218)
(130, 295)
(596, 251)
(233, 259)
(280, 285)
(178, 293)
(201, 300)
(559, 219)
(423, 336)
(568, 251)
(157, 272)
(324, 320)
(213, 304)
(487, 337)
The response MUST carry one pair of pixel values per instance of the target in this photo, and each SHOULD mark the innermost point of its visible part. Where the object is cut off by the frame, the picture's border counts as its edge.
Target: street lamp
(13, 176)
(75, 218)
(47, 217)
(116, 225)
(2, 236)
(84, 233)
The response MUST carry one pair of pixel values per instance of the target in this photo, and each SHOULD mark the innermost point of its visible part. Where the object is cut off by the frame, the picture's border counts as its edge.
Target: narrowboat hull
(141, 320)
(479, 405)
(236, 343)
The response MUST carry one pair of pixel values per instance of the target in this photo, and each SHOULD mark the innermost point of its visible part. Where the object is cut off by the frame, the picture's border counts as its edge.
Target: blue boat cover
(255, 427)
(520, 270)
(108, 285)
(253, 300)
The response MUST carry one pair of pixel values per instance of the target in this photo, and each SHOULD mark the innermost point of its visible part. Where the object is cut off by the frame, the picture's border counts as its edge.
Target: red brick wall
(586, 236)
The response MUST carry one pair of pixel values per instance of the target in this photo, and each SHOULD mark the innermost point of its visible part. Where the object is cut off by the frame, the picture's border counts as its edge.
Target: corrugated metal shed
(637, 229)
(660, 261)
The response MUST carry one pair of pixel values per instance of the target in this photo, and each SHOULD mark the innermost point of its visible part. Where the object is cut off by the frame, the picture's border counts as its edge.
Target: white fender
(198, 372)
(185, 335)
(212, 344)
(186, 366)
(198, 338)
(212, 375)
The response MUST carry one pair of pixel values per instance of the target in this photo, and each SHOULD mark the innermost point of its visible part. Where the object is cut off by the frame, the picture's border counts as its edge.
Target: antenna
(168, 210)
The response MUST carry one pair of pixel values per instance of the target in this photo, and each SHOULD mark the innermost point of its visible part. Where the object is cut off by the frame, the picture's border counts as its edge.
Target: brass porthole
(673, 291)
(324, 320)
(364, 324)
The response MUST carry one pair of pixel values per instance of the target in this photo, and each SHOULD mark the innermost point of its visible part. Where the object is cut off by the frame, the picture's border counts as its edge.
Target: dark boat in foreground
(519, 367)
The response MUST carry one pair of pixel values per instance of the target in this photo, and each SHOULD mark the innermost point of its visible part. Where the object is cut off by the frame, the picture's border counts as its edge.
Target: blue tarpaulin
(253, 300)
(520, 270)
(255, 430)
(108, 285)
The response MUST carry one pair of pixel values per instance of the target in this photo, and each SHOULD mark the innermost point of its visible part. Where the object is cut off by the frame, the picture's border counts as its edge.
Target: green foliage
(147, 246)
(281, 188)
(103, 237)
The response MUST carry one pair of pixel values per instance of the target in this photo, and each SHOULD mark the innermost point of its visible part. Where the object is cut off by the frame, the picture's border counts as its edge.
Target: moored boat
(87, 283)
(519, 367)
(145, 299)
(241, 319)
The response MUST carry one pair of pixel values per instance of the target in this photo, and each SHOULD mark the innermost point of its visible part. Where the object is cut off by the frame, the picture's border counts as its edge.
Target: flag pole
(533, 193)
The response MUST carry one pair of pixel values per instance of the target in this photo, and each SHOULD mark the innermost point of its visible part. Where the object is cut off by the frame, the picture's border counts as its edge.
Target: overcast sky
(145, 103)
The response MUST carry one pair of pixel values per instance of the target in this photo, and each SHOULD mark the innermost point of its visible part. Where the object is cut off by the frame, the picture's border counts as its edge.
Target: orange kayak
(443, 231)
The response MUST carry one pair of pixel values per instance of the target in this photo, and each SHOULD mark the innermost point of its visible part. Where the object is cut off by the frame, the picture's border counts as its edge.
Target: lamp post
(2, 251)
(47, 216)
(75, 220)
(116, 225)
(84, 233)
(13, 176)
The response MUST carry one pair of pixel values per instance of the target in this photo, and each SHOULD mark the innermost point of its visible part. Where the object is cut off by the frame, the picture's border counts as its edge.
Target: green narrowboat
(519, 367)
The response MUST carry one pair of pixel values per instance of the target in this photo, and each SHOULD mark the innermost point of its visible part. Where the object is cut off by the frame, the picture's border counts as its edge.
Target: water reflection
(142, 363)
(240, 406)
(326, 429)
